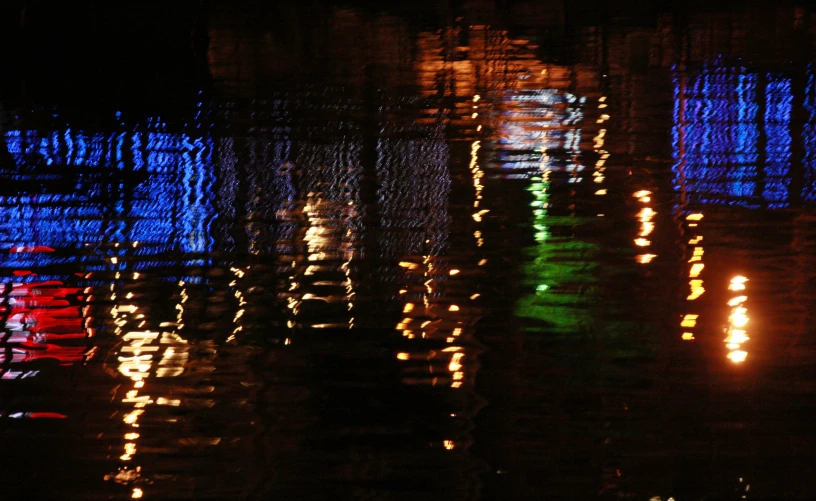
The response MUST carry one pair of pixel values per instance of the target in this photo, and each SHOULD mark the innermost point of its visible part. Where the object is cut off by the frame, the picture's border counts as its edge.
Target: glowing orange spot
(737, 336)
(738, 356)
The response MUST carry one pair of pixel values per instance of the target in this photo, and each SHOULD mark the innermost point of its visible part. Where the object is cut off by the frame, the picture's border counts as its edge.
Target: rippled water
(351, 254)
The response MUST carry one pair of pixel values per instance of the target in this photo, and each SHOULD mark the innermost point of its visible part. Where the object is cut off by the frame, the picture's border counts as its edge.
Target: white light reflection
(143, 356)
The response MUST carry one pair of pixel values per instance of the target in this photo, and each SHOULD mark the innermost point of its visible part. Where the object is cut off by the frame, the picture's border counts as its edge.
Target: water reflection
(43, 321)
(736, 137)
(543, 143)
(695, 272)
(167, 178)
(737, 321)
(401, 256)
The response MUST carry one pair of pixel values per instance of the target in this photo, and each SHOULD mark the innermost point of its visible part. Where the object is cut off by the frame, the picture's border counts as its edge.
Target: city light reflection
(646, 218)
(736, 334)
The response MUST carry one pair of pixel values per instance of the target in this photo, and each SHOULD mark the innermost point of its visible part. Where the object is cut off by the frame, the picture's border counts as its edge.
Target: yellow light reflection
(738, 319)
(737, 283)
(689, 320)
(645, 258)
(695, 293)
(646, 228)
(133, 416)
(688, 336)
(137, 493)
(456, 362)
(737, 336)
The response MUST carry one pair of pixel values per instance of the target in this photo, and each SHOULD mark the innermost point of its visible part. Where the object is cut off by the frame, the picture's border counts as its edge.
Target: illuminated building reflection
(734, 138)
(734, 141)
(322, 288)
(418, 217)
(137, 201)
(163, 199)
(546, 149)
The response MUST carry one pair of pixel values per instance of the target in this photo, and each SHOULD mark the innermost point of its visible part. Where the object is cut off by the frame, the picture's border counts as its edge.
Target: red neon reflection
(39, 318)
(47, 415)
(34, 248)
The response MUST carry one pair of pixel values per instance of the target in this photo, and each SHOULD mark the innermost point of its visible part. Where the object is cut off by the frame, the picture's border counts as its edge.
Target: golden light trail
(647, 226)
(737, 321)
(696, 288)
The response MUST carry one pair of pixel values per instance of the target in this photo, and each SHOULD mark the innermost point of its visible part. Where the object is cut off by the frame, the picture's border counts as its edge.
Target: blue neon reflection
(164, 201)
(715, 136)
(778, 107)
(809, 138)
(718, 134)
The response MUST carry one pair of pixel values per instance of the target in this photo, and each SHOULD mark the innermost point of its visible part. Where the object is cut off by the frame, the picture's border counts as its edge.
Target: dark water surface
(349, 254)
